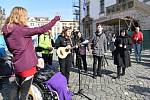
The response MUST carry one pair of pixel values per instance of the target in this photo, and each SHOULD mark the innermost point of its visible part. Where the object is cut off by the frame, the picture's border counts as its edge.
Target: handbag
(38, 49)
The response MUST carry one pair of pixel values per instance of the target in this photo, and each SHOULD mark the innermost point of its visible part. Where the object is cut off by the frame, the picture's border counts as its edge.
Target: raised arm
(39, 30)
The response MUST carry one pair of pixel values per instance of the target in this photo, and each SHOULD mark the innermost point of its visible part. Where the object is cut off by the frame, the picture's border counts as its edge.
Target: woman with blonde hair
(19, 42)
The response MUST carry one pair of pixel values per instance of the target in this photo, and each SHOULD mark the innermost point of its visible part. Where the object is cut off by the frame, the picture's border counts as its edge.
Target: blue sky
(41, 8)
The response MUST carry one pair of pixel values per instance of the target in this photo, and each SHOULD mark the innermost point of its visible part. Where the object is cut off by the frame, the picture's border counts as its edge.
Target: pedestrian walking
(19, 42)
(121, 53)
(137, 38)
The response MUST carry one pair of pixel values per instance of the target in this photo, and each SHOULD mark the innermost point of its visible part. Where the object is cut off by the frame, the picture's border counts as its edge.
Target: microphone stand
(80, 91)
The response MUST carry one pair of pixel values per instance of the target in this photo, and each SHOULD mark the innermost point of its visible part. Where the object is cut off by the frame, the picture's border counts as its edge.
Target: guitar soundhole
(66, 50)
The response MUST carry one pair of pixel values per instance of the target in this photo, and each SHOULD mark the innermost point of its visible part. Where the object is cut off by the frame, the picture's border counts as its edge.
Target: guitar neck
(85, 42)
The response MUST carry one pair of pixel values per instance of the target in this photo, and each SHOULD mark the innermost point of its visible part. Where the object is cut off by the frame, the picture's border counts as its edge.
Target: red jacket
(137, 37)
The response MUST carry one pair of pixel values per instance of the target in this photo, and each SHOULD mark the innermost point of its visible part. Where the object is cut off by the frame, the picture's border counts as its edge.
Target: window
(120, 1)
(130, 4)
(88, 9)
(101, 6)
(70, 24)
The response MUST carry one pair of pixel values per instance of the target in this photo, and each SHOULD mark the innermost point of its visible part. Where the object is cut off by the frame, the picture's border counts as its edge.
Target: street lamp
(76, 12)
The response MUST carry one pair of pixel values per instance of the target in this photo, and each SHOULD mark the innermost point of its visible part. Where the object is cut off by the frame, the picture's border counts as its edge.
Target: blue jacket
(2, 46)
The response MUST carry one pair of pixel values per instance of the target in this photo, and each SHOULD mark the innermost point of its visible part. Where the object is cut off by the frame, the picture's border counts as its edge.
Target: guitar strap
(70, 41)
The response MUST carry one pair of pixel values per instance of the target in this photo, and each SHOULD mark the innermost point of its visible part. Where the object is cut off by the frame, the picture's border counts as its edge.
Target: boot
(118, 71)
(123, 71)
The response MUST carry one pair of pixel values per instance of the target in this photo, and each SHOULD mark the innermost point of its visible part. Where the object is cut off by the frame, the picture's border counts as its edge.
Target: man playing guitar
(64, 40)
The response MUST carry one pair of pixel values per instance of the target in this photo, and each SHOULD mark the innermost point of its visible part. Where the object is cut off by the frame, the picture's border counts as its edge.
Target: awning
(117, 21)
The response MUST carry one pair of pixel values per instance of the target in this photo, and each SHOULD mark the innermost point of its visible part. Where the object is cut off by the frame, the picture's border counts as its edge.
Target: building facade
(115, 15)
(57, 28)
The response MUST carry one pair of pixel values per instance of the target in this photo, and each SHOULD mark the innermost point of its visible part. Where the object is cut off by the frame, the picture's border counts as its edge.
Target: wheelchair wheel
(38, 91)
(35, 93)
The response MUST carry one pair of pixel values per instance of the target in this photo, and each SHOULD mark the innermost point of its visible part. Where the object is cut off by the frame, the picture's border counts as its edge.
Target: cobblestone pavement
(135, 85)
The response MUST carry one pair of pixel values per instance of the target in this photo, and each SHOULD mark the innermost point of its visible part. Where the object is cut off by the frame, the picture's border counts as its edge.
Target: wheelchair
(39, 90)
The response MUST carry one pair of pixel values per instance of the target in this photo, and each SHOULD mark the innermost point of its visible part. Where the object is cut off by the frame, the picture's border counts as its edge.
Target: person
(64, 40)
(121, 53)
(81, 52)
(99, 46)
(137, 38)
(19, 42)
(74, 37)
(112, 46)
(58, 82)
(47, 44)
(3, 46)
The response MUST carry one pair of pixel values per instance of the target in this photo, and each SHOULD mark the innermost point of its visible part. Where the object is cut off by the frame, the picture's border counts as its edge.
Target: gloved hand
(105, 54)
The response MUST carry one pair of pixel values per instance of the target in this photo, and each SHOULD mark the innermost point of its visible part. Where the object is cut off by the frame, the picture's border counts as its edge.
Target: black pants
(79, 60)
(98, 70)
(65, 65)
(47, 58)
(119, 72)
(20, 89)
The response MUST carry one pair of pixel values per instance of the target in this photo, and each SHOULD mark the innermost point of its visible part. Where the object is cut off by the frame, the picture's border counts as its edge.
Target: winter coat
(112, 46)
(121, 54)
(99, 43)
(19, 42)
(58, 82)
(61, 41)
(138, 35)
(81, 50)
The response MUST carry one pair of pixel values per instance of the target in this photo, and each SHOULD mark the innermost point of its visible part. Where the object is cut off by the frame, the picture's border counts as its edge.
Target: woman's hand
(125, 46)
(120, 45)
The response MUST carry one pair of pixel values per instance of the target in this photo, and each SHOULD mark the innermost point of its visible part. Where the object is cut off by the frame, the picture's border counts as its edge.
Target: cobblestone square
(135, 85)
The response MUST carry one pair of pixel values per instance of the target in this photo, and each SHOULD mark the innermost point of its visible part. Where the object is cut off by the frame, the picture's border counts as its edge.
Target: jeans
(98, 70)
(137, 50)
(20, 89)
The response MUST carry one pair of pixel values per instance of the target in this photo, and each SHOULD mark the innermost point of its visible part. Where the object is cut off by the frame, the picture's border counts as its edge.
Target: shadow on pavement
(140, 90)
(76, 70)
(145, 78)
(108, 72)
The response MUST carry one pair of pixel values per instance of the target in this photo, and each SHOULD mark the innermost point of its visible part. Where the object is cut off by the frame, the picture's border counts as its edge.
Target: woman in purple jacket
(19, 42)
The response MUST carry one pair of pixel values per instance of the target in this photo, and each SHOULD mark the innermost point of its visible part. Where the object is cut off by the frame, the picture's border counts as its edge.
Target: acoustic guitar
(62, 52)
